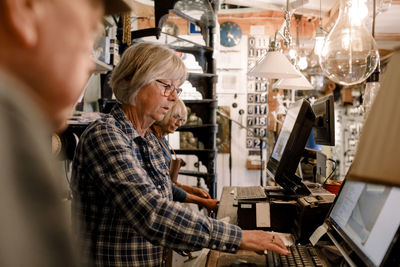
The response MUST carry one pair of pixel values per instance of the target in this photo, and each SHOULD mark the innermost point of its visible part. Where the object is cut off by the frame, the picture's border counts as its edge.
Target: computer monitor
(289, 146)
(324, 127)
(367, 218)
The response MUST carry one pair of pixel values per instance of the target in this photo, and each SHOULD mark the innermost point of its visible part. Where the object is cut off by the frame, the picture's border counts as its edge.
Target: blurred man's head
(48, 44)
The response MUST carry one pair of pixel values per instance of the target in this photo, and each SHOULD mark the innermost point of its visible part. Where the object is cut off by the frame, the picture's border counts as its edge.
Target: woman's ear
(21, 18)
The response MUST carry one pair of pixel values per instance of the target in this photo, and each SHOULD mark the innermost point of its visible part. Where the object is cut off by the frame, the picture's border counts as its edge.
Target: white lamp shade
(274, 65)
(300, 83)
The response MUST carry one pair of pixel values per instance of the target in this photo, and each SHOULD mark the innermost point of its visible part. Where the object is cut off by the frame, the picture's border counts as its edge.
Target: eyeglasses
(169, 88)
(178, 118)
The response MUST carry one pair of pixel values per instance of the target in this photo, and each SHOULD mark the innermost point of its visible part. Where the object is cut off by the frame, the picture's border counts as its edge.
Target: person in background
(122, 192)
(45, 62)
(174, 118)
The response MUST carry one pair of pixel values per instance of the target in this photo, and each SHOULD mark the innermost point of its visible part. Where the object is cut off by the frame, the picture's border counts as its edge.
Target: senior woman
(174, 118)
(121, 186)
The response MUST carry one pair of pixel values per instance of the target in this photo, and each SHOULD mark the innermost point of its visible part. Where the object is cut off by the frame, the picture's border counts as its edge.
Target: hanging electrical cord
(333, 171)
(373, 18)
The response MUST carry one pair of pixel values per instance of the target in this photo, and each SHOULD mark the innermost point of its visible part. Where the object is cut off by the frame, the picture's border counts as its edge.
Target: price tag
(250, 109)
(260, 109)
(261, 87)
(260, 121)
(250, 98)
(260, 98)
(250, 121)
(249, 143)
(262, 132)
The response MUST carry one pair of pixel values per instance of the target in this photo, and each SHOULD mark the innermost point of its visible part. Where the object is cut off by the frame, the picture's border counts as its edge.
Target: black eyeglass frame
(170, 88)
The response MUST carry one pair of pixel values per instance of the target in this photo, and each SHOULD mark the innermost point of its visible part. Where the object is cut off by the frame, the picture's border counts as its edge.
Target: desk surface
(226, 209)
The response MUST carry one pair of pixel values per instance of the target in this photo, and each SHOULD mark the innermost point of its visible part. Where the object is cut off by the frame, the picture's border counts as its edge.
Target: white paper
(263, 218)
(318, 233)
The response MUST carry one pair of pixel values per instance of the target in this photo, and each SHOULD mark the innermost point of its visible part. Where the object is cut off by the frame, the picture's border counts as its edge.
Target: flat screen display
(368, 216)
(286, 130)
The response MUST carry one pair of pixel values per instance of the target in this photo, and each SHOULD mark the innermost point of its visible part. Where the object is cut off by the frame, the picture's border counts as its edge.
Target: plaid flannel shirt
(123, 200)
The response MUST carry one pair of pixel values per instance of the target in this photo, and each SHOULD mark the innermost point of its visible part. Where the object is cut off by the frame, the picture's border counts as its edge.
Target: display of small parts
(351, 120)
(186, 139)
(223, 134)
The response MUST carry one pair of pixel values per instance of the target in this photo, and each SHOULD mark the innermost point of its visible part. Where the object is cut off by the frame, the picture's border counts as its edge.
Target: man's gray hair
(142, 64)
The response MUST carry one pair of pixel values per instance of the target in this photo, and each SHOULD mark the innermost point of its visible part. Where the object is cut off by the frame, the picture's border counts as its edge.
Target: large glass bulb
(349, 54)
(319, 40)
(371, 90)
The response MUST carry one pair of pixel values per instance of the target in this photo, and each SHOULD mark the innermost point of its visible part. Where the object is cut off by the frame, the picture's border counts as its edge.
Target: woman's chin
(159, 117)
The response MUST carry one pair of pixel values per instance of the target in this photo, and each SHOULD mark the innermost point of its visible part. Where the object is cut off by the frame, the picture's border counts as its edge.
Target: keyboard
(301, 255)
(250, 192)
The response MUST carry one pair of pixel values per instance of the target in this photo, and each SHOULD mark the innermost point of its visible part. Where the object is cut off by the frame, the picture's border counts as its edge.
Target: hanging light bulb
(302, 63)
(349, 54)
(319, 40)
(292, 55)
(320, 35)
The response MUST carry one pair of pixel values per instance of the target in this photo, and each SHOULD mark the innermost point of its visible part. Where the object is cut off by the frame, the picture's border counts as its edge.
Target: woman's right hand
(258, 241)
(210, 204)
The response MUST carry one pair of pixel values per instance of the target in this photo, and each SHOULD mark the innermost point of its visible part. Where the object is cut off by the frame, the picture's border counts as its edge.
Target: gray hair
(178, 108)
(142, 64)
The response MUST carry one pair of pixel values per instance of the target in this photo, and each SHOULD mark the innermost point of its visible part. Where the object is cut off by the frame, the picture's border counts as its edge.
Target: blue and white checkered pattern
(123, 206)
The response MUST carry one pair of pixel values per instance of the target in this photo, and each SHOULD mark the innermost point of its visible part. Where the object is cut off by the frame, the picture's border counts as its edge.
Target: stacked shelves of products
(204, 129)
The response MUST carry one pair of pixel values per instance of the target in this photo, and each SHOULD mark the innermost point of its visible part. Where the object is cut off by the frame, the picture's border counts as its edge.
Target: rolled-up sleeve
(178, 193)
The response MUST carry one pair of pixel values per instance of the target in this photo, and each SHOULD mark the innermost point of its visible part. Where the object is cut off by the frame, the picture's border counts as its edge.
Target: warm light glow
(292, 54)
(349, 54)
(319, 43)
(346, 39)
(358, 11)
(303, 64)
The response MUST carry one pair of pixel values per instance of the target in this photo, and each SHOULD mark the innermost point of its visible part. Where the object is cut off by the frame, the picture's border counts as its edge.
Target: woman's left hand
(194, 191)
(200, 192)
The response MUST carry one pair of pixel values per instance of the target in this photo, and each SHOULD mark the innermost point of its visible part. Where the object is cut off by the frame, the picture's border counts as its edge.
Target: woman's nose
(173, 96)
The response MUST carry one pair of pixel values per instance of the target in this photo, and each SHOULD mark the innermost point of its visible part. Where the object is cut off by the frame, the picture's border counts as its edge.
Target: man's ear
(20, 16)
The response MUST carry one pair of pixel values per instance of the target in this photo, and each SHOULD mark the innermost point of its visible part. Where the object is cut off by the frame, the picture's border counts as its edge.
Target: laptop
(363, 224)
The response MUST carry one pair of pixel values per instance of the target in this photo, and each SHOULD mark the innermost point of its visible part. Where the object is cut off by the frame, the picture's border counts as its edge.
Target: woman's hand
(257, 240)
(211, 205)
(195, 191)
(200, 192)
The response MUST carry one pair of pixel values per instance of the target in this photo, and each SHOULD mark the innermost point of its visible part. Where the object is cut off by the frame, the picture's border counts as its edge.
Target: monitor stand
(292, 188)
(281, 194)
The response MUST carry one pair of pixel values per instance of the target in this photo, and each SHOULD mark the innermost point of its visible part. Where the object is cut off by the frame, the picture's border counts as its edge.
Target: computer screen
(324, 127)
(367, 217)
(288, 149)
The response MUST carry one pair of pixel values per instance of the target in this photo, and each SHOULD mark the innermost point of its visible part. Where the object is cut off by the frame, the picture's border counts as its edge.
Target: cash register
(295, 206)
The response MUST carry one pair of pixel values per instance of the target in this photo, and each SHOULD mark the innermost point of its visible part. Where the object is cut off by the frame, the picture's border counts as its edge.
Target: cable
(333, 171)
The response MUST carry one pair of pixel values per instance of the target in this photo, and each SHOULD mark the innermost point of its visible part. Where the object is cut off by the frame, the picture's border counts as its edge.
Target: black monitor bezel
(324, 127)
(284, 170)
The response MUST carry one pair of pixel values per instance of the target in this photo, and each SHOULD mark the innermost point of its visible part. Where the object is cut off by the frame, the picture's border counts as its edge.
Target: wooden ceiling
(387, 26)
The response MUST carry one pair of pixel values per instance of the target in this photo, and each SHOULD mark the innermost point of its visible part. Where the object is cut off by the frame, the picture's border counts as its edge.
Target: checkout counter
(298, 218)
